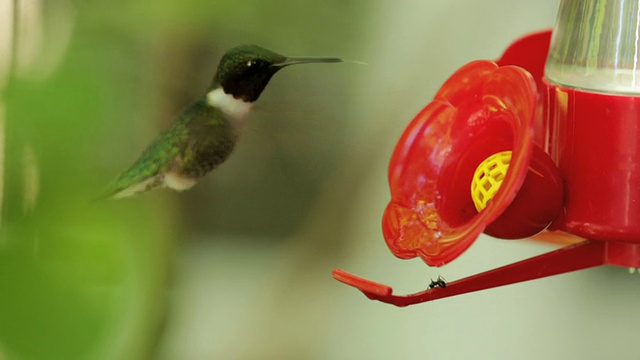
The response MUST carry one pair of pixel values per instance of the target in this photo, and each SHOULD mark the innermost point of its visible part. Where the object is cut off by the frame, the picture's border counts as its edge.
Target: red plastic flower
(480, 110)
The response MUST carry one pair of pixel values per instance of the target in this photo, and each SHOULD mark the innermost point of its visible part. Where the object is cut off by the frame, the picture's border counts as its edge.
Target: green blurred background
(239, 267)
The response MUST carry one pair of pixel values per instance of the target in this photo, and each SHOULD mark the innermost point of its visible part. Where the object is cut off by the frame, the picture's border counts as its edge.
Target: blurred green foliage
(75, 275)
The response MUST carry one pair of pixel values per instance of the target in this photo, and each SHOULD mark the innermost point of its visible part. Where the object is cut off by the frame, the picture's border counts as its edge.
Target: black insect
(439, 282)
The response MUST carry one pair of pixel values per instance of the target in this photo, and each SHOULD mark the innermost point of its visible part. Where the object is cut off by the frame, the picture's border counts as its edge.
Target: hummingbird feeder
(546, 138)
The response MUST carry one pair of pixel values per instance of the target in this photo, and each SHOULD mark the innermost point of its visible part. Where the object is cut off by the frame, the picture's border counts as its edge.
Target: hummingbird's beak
(305, 60)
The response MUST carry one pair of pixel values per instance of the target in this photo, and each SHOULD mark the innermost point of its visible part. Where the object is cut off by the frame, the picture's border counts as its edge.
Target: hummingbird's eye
(256, 64)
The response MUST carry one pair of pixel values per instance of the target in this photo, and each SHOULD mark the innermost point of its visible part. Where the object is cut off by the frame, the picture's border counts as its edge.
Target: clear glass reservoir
(596, 45)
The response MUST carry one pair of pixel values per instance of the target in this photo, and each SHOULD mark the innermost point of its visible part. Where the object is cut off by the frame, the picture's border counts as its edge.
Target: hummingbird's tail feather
(117, 190)
(142, 186)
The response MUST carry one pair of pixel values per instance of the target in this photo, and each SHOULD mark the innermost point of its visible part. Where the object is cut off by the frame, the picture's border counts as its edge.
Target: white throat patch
(235, 108)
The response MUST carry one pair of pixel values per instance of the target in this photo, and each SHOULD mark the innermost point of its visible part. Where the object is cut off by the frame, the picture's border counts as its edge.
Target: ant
(439, 282)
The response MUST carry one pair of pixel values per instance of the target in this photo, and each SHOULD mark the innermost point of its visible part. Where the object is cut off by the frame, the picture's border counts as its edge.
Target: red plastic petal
(480, 110)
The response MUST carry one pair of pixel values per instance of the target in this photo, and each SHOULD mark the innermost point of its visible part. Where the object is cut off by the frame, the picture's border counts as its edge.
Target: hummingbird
(206, 132)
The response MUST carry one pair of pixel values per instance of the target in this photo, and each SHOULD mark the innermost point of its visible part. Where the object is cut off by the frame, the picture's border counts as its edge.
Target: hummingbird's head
(245, 70)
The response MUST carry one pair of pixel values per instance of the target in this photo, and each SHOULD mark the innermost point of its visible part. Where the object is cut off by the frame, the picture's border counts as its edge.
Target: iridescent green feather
(201, 139)
(156, 159)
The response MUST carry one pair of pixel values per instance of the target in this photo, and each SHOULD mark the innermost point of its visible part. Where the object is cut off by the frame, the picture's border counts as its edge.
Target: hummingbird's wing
(202, 139)
(148, 171)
